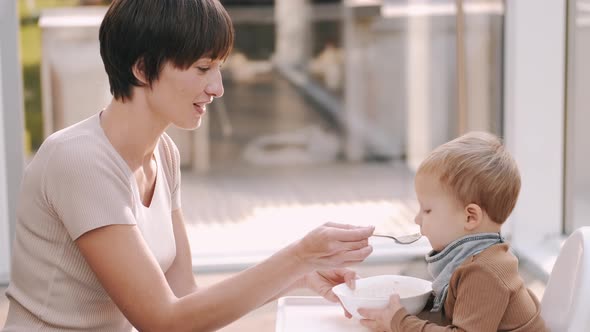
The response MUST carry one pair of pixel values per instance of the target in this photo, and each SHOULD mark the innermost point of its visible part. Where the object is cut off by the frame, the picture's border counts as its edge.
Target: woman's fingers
(335, 245)
(354, 245)
(347, 258)
(347, 314)
(342, 226)
(351, 283)
(350, 278)
(351, 234)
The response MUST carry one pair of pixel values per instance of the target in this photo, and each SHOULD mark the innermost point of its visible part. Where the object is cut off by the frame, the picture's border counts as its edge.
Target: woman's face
(180, 96)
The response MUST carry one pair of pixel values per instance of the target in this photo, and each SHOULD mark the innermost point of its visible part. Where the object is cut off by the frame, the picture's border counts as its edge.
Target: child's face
(441, 217)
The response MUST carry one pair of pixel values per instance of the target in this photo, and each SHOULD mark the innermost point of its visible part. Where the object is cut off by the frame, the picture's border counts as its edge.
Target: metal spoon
(403, 239)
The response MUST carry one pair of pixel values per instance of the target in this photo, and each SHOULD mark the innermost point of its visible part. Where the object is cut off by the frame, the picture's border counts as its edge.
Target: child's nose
(418, 220)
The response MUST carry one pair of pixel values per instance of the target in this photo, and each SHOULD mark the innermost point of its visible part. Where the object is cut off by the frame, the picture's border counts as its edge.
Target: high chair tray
(313, 314)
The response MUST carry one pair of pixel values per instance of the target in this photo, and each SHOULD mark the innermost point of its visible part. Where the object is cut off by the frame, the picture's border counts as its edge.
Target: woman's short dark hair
(156, 31)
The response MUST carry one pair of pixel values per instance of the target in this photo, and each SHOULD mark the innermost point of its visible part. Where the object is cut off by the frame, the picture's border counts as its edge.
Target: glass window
(577, 200)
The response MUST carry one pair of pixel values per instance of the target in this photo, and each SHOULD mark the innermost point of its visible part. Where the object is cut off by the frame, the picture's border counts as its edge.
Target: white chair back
(566, 302)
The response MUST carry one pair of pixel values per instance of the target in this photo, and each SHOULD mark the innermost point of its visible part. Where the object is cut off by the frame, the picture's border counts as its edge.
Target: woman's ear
(474, 216)
(138, 70)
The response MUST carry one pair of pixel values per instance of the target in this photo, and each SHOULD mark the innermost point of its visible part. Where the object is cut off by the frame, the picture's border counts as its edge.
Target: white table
(313, 314)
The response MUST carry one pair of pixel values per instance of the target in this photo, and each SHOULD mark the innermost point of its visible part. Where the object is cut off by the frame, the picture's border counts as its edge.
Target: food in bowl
(395, 286)
(374, 293)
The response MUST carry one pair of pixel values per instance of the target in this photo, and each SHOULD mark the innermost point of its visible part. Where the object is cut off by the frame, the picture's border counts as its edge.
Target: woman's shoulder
(169, 153)
(81, 134)
(82, 145)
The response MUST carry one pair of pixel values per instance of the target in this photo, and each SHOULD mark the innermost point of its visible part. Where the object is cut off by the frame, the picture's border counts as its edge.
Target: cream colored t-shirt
(77, 182)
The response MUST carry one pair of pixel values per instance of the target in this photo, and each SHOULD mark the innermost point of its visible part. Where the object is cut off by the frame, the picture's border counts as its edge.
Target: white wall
(11, 129)
(534, 123)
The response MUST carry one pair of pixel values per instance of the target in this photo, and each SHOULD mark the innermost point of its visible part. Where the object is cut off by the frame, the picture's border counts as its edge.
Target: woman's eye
(427, 211)
(203, 69)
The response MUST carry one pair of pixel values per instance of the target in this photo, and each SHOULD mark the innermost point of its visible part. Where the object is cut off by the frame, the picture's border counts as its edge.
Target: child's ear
(474, 216)
(138, 70)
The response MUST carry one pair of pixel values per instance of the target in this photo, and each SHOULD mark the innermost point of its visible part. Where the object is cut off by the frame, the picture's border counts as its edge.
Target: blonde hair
(476, 168)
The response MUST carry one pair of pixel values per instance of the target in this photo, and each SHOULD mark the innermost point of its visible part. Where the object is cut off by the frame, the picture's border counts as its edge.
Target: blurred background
(329, 107)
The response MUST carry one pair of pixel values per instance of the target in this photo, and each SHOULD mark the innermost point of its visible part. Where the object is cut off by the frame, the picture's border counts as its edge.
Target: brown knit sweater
(486, 293)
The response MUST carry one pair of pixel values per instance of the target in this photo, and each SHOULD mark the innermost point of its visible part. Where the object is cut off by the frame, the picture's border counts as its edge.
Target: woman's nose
(215, 86)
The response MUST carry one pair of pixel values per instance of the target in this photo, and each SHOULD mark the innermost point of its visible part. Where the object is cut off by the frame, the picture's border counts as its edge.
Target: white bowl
(374, 292)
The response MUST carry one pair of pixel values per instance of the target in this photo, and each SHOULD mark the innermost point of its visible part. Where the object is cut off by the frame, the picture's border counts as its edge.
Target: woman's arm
(181, 278)
(180, 274)
(129, 273)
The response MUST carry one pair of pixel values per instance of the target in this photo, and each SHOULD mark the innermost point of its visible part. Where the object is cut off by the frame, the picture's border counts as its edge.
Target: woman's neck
(133, 130)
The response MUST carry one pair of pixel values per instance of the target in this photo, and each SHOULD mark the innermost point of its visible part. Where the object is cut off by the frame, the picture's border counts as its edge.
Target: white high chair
(566, 302)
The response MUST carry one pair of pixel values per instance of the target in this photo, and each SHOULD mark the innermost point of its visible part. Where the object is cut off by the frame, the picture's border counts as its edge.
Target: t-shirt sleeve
(171, 158)
(86, 189)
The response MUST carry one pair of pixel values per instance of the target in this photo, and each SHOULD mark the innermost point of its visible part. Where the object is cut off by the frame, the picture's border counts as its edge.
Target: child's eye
(427, 211)
(203, 69)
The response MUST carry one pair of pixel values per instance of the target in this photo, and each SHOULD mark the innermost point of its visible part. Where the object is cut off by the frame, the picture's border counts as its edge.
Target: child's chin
(437, 246)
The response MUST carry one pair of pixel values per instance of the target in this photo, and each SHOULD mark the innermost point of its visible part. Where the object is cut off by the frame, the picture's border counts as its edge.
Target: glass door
(577, 159)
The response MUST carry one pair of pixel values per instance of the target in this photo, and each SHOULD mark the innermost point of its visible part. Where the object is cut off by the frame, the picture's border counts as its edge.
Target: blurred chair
(566, 302)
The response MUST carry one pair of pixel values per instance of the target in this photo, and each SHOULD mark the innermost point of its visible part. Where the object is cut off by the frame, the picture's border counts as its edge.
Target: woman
(100, 240)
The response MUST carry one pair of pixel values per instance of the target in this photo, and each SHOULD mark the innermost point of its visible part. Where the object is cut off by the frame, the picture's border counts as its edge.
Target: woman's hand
(380, 319)
(334, 245)
(322, 282)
